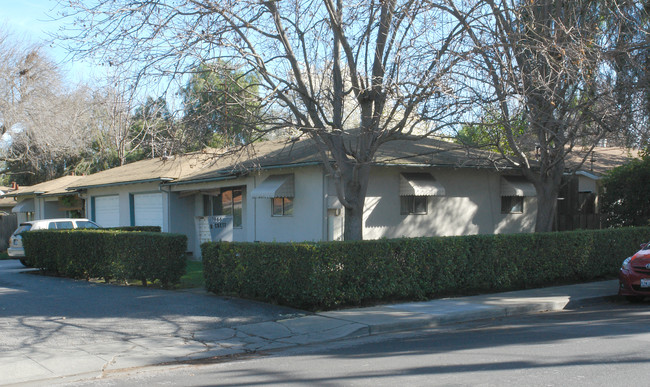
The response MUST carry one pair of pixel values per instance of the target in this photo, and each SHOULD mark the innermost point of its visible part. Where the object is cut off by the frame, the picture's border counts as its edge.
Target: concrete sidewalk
(39, 366)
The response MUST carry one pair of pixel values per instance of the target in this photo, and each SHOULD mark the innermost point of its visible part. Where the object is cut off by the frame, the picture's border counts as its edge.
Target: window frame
(285, 210)
(509, 203)
(233, 207)
(408, 205)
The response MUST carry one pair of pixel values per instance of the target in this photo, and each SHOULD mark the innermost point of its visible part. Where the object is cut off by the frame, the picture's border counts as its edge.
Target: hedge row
(136, 228)
(147, 256)
(330, 274)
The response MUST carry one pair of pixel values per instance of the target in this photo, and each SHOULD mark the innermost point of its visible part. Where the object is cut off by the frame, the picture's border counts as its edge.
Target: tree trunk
(353, 226)
(547, 189)
(546, 211)
(355, 184)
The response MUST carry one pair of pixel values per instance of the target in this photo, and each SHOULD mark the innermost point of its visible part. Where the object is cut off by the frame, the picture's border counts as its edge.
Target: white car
(16, 249)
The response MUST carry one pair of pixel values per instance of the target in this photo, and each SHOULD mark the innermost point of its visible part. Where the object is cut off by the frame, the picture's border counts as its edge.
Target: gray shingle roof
(286, 153)
(213, 164)
(158, 169)
(54, 187)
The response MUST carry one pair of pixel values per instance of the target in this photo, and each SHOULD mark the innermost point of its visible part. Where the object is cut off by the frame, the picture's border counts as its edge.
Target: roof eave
(233, 174)
(206, 180)
(143, 181)
(17, 195)
(588, 174)
(440, 165)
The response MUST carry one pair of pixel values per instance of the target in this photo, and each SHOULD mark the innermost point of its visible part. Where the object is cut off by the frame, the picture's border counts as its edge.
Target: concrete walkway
(39, 364)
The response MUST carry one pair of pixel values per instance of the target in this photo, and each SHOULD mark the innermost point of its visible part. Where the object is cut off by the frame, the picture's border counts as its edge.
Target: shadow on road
(58, 311)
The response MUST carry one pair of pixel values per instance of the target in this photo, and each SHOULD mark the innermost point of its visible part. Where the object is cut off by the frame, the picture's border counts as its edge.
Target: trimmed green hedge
(120, 255)
(136, 228)
(329, 274)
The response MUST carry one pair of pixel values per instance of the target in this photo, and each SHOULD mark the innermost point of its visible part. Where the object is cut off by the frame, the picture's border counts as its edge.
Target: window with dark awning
(24, 206)
(517, 186)
(419, 184)
(275, 186)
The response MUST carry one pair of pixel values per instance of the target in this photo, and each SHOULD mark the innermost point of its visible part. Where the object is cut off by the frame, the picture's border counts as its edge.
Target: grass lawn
(3, 255)
(193, 277)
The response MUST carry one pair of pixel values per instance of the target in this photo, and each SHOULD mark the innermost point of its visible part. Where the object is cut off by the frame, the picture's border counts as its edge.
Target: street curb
(417, 321)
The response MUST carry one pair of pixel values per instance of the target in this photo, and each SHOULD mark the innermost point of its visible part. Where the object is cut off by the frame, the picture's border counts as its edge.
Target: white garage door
(148, 209)
(107, 211)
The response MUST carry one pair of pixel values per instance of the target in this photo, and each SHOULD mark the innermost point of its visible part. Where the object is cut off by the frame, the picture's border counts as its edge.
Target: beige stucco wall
(308, 222)
(187, 206)
(49, 207)
(180, 219)
(39, 208)
(309, 214)
(472, 205)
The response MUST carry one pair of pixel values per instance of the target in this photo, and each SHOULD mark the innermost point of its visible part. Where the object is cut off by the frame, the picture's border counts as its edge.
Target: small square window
(282, 206)
(512, 204)
(413, 205)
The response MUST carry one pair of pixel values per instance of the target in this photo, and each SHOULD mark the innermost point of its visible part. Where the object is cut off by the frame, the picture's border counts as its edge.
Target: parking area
(42, 315)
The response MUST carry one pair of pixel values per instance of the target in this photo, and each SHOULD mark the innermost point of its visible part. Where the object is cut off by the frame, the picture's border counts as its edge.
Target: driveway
(42, 316)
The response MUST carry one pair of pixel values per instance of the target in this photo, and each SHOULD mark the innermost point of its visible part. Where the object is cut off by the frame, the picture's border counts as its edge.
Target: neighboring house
(50, 199)
(6, 203)
(8, 219)
(578, 200)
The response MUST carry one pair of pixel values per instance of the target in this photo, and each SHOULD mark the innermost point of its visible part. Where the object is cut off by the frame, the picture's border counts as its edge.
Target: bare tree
(546, 63)
(631, 70)
(351, 75)
(112, 119)
(43, 124)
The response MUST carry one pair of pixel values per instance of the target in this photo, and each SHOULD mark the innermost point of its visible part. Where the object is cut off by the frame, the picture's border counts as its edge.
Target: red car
(634, 277)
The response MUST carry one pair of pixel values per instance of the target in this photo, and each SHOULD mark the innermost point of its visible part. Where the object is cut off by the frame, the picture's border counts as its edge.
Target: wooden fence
(8, 224)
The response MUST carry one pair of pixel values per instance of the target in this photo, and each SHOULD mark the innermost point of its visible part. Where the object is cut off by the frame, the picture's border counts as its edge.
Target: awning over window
(26, 205)
(275, 186)
(517, 186)
(419, 184)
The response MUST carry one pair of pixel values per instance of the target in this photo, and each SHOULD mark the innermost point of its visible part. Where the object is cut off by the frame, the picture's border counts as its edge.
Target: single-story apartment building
(50, 199)
(280, 191)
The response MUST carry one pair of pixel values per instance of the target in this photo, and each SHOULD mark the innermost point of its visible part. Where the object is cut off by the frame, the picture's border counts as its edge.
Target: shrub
(625, 199)
(147, 256)
(328, 274)
(136, 228)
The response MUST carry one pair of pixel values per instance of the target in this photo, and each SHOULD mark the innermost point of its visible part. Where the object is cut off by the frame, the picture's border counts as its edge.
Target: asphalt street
(598, 345)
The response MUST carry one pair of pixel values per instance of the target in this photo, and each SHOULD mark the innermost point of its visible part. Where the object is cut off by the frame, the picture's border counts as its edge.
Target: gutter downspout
(169, 208)
(254, 210)
(169, 204)
(324, 209)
